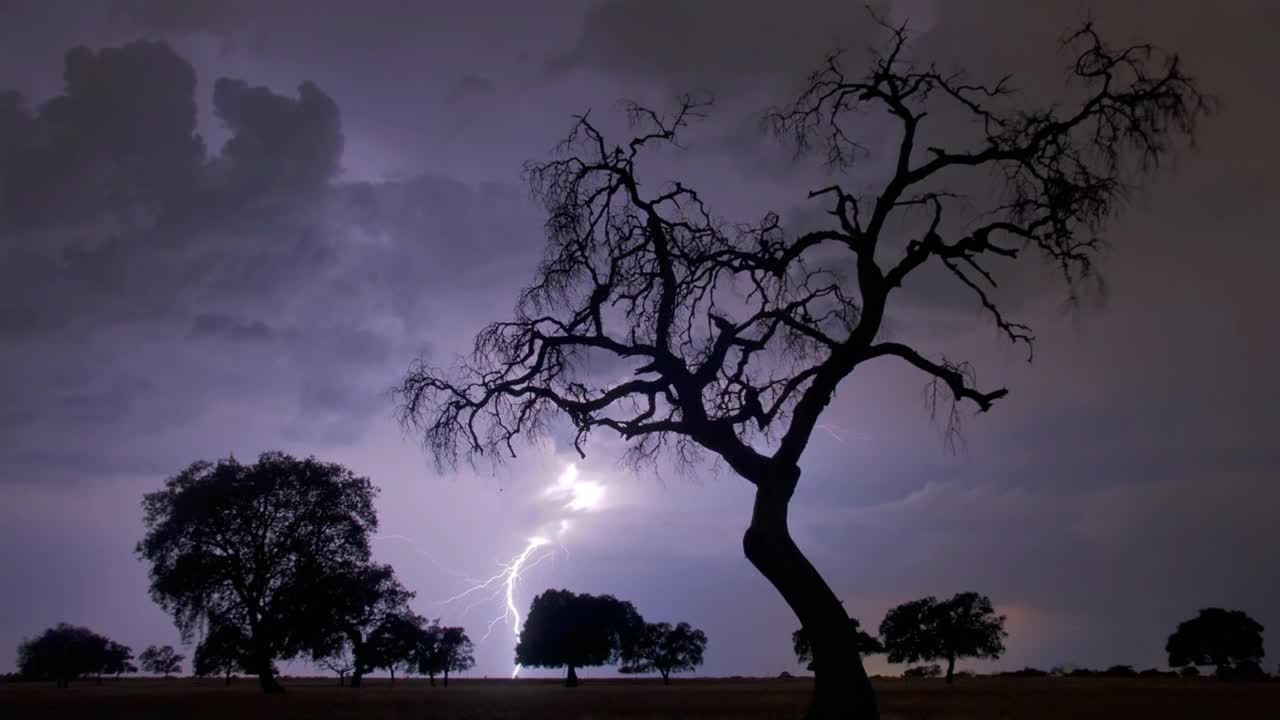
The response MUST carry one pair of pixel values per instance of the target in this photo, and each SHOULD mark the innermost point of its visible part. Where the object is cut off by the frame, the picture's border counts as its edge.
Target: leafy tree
(658, 647)
(867, 645)
(161, 660)
(223, 651)
(1218, 637)
(928, 629)
(360, 598)
(116, 660)
(922, 671)
(443, 650)
(63, 653)
(257, 546)
(735, 336)
(565, 629)
(394, 643)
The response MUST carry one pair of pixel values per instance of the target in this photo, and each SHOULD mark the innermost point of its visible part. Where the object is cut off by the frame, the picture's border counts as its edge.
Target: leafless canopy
(731, 331)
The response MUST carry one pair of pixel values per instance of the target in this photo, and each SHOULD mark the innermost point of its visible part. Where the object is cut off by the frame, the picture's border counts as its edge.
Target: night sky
(217, 267)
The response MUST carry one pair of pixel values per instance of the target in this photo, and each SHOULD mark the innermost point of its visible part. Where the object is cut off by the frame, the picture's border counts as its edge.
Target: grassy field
(603, 699)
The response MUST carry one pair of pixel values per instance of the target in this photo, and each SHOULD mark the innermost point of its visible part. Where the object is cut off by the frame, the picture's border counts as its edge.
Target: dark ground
(186, 699)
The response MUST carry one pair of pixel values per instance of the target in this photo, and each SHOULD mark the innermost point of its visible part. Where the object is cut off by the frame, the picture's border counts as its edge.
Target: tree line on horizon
(270, 561)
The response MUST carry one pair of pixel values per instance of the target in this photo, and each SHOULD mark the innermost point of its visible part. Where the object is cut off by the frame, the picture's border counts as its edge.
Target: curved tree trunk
(572, 679)
(446, 676)
(841, 688)
(951, 668)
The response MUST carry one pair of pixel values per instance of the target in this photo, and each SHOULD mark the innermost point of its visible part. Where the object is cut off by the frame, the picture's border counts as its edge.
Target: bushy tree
(732, 338)
(360, 598)
(117, 659)
(963, 626)
(443, 650)
(1225, 639)
(803, 647)
(394, 644)
(568, 630)
(257, 546)
(661, 648)
(161, 660)
(224, 650)
(65, 652)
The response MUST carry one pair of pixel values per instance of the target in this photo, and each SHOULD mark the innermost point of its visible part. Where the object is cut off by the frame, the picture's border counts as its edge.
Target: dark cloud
(469, 86)
(279, 147)
(121, 137)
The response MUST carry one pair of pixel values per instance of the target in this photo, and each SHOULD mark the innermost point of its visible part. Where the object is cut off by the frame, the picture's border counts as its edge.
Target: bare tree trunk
(951, 668)
(666, 678)
(446, 676)
(392, 670)
(266, 675)
(228, 680)
(841, 688)
(572, 679)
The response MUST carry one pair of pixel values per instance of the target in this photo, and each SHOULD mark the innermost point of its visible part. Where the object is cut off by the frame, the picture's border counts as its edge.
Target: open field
(603, 699)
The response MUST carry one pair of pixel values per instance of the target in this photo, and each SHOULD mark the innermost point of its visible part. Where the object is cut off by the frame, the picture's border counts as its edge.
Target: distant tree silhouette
(568, 630)
(928, 629)
(339, 661)
(867, 645)
(733, 338)
(661, 648)
(161, 660)
(393, 644)
(443, 650)
(65, 652)
(922, 671)
(116, 660)
(359, 599)
(224, 650)
(1230, 640)
(258, 546)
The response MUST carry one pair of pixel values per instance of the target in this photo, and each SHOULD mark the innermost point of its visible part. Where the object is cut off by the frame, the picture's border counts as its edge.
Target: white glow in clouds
(579, 496)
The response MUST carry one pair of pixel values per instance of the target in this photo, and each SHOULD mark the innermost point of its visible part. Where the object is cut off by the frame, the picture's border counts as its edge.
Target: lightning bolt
(578, 496)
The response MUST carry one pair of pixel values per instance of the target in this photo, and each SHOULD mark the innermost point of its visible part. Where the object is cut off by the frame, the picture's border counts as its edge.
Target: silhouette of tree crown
(735, 330)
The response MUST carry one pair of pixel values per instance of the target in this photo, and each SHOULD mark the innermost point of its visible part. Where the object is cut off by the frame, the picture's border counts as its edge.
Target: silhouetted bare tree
(738, 336)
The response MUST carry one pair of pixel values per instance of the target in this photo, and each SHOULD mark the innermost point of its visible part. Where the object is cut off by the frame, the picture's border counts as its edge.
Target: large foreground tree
(734, 338)
(257, 547)
(803, 645)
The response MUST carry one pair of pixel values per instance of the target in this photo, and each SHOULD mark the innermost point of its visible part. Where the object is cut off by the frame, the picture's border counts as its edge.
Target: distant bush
(1189, 671)
(1154, 673)
(1083, 673)
(1025, 672)
(1124, 671)
(922, 671)
(1244, 670)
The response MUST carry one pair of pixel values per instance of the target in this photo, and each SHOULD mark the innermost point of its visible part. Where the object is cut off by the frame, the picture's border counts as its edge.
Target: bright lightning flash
(579, 496)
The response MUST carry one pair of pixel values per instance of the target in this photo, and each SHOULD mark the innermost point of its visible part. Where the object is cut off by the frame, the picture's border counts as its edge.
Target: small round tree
(568, 630)
(1230, 640)
(661, 648)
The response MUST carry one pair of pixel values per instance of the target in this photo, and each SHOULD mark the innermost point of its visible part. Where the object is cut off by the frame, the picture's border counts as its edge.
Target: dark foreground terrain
(603, 699)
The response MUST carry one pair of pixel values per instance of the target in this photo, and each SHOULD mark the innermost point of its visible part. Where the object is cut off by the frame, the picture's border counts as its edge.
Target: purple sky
(1129, 478)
